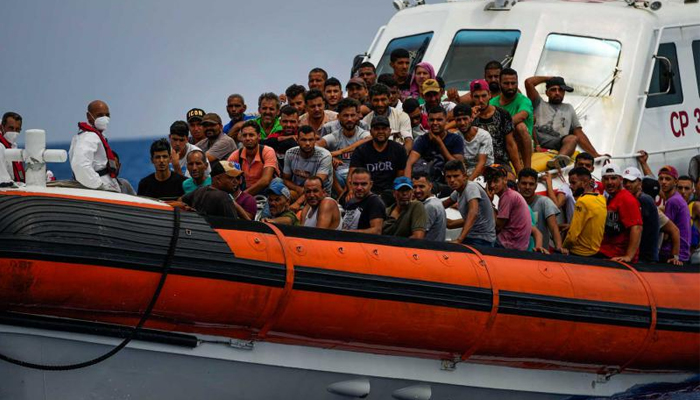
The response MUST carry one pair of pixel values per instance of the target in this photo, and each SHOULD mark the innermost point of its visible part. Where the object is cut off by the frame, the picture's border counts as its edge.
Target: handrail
(674, 150)
(588, 101)
(374, 42)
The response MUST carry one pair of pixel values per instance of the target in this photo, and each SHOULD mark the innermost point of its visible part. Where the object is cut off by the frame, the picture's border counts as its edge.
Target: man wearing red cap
(677, 211)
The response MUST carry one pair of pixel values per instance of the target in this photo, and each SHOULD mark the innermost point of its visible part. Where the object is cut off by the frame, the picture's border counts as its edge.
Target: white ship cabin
(634, 66)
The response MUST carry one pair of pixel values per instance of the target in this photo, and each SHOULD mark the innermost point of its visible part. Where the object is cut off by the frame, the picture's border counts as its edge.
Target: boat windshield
(412, 43)
(587, 64)
(471, 50)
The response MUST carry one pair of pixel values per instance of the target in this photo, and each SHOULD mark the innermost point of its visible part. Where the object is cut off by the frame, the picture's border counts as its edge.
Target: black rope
(164, 274)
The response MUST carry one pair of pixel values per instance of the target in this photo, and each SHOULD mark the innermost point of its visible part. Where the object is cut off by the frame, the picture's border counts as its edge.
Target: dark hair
(332, 82)
(410, 105)
(251, 124)
(269, 96)
(462, 109)
(527, 173)
(197, 151)
(580, 171)
(387, 79)
(236, 96)
(161, 144)
(399, 53)
(509, 72)
(440, 82)
(315, 178)
(422, 174)
(436, 110)
(179, 128)
(455, 165)
(319, 70)
(11, 114)
(378, 90)
(306, 129)
(362, 170)
(685, 178)
(585, 156)
(294, 91)
(312, 94)
(347, 103)
(493, 64)
(368, 64)
(288, 110)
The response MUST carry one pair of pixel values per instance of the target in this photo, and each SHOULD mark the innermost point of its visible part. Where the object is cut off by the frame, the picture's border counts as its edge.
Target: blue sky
(153, 60)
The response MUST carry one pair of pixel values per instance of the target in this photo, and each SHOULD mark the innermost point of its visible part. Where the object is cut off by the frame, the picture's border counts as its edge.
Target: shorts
(549, 141)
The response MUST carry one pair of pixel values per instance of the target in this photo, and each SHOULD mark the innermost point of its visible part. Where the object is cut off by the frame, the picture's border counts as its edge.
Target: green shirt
(413, 218)
(520, 103)
(276, 127)
(290, 214)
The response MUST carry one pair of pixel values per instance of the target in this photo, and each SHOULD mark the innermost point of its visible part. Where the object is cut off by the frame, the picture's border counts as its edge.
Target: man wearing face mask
(91, 158)
(9, 131)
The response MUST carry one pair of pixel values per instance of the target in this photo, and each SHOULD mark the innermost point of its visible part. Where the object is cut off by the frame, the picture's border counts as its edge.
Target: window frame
(695, 49)
(379, 65)
(673, 97)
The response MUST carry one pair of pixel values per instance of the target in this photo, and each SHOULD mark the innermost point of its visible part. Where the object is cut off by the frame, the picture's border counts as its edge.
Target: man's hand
(336, 162)
(433, 137)
(541, 250)
(643, 157)
(175, 159)
(674, 261)
(622, 259)
(283, 98)
(562, 250)
(453, 95)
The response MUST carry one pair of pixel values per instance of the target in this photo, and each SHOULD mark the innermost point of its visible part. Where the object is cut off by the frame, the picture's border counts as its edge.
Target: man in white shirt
(399, 121)
(181, 148)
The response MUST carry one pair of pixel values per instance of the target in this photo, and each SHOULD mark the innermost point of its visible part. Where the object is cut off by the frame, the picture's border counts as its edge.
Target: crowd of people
(398, 151)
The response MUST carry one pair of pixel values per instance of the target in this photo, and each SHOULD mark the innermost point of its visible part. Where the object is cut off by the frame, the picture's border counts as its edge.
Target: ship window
(471, 50)
(414, 44)
(665, 79)
(696, 58)
(587, 64)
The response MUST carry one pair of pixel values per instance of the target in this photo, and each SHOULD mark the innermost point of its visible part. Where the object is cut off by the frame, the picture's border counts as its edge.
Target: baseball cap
(478, 84)
(632, 174)
(651, 187)
(402, 181)
(229, 168)
(211, 118)
(356, 81)
(277, 187)
(380, 120)
(430, 85)
(558, 81)
(611, 170)
(669, 170)
(195, 114)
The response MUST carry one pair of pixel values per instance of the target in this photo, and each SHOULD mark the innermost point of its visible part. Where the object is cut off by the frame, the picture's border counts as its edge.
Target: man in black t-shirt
(216, 200)
(365, 211)
(162, 184)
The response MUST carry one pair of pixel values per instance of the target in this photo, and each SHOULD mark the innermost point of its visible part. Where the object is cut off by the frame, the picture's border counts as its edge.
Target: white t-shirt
(399, 122)
(480, 144)
(183, 160)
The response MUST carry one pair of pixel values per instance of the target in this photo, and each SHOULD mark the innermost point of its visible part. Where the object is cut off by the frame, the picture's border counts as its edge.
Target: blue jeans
(477, 242)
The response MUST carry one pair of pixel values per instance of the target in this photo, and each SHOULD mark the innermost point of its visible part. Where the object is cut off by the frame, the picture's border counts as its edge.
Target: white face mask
(11, 137)
(101, 123)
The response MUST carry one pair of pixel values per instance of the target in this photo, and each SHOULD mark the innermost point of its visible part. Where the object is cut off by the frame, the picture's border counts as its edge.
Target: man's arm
(408, 144)
(512, 150)
(531, 86)
(585, 143)
(326, 210)
(375, 227)
(633, 245)
(520, 117)
(241, 211)
(81, 162)
(674, 235)
(412, 158)
(350, 148)
(554, 230)
(417, 234)
(480, 166)
(501, 223)
(263, 182)
(642, 159)
(287, 178)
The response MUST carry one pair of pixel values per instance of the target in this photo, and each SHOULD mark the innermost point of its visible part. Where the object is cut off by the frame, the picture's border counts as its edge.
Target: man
(492, 75)
(91, 158)
(432, 150)
(543, 208)
(478, 145)
(433, 91)
(368, 73)
(320, 210)
(332, 93)
(365, 211)
(399, 122)
(649, 243)
(513, 221)
(316, 114)
(268, 108)
(215, 199)
(9, 132)
(400, 62)
(258, 162)
(585, 233)
(216, 145)
(685, 186)
(245, 204)
(390, 82)
(520, 109)
(477, 223)
(623, 225)
(295, 97)
(357, 89)
(303, 161)
(194, 122)
(436, 224)
(676, 209)
(406, 217)
(415, 114)
(317, 78)
(124, 184)
(197, 165)
(180, 148)
(585, 160)
(556, 124)
(162, 184)
(384, 159)
(286, 138)
(235, 107)
(498, 123)
(278, 198)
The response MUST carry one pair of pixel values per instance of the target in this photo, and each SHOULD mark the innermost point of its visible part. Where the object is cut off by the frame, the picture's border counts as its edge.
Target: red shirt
(623, 213)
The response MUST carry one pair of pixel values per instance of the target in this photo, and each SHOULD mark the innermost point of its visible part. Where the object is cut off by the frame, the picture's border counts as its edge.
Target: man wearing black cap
(216, 144)
(556, 125)
(194, 122)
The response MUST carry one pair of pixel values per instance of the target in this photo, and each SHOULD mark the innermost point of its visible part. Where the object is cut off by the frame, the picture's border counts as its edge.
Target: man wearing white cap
(623, 225)
(649, 243)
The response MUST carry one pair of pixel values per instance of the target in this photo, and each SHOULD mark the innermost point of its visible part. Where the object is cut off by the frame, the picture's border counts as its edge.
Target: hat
(495, 170)
(651, 186)
(558, 81)
(229, 168)
(277, 187)
(211, 118)
(380, 120)
(195, 114)
(430, 85)
(632, 174)
(669, 170)
(478, 84)
(356, 81)
(402, 181)
(611, 170)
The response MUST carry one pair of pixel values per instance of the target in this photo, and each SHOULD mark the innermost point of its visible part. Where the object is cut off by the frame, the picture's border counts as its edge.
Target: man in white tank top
(320, 211)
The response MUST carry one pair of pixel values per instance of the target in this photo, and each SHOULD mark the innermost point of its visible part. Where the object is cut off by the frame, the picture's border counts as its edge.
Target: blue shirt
(429, 151)
(190, 186)
(230, 124)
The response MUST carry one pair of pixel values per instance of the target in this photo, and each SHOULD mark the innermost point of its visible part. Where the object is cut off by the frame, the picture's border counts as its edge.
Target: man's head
(333, 92)
(390, 82)
(306, 140)
(432, 93)
(249, 135)
(211, 123)
(315, 105)
(225, 175)
(632, 180)
(455, 175)
(412, 108)
(509, 83)
(422, 185)
(556, 88)
(480, 92)
(580, 181)
(360, 183)
(492, 75)
(668, 176)
(463, 117)
(357, 89)
(527, 183)
(380, 129)
(400, 61)
(348, 114)
(295, 97)
(437, 120)
(313, 191)
(268, 107)
(160, 155)
(379, 97)
(585, 160)
(651, 187)
(197, 165)
(685, 187)
(235, 107)
(11, 122)
(278, 197)
(98, 111)
(368, 73)
(289, 119)
(496, 178)
(194, 122)
(178, 135)
(317, 78)
(403, 191)
(612, 178)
